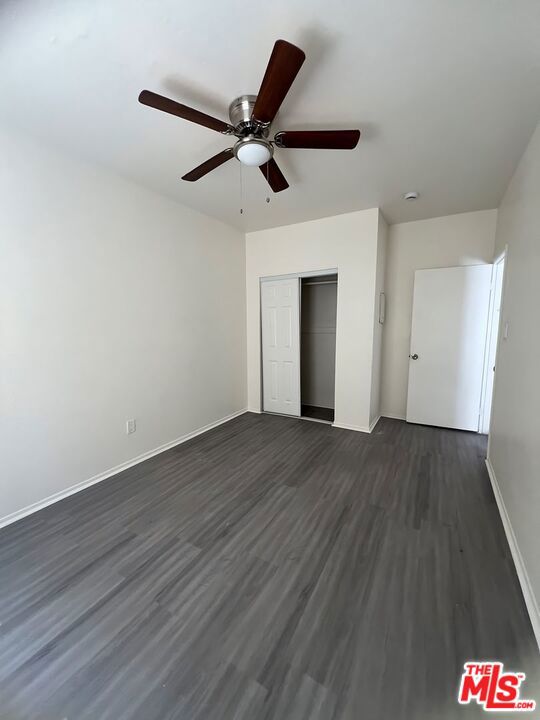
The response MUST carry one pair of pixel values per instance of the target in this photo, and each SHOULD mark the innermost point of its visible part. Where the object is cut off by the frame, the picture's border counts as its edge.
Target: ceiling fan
(251, 117)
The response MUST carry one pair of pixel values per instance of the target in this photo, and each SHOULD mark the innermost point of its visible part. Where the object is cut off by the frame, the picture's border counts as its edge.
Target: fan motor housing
(240, 115)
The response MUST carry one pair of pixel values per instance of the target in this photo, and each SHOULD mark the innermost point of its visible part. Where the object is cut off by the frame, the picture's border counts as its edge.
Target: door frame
(497, 261)
(485, 422)
(290, 276)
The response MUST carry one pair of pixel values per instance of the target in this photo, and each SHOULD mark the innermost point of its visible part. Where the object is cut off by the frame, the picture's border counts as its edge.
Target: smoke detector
(411, 195)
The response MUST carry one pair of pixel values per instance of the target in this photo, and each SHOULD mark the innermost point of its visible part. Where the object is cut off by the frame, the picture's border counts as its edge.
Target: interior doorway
(318, 346)
(298, 344)
(494, 323)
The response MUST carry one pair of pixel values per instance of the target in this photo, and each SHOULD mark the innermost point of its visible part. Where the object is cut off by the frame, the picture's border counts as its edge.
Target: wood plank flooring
(271, 569)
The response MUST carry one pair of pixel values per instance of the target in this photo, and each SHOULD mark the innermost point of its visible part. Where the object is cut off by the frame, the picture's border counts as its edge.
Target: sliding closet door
(280, 318)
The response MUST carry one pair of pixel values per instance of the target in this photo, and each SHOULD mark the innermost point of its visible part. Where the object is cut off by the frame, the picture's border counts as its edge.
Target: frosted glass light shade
(253, 153)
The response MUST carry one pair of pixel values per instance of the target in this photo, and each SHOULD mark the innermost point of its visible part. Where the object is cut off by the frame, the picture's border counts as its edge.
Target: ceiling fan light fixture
(251, 117)
(253, 152)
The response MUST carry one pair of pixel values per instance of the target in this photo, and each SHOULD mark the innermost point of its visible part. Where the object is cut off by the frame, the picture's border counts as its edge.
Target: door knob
(414, 357)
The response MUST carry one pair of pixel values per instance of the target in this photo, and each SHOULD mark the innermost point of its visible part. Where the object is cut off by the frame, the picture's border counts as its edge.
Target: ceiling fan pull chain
(268, 179)
(241, 191)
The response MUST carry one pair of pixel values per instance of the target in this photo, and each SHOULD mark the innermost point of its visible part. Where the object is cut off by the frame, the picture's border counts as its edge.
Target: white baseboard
(392, 416)
(29, 509)
(343, 426)
(373, 423)
(358, 428)
(526, 587)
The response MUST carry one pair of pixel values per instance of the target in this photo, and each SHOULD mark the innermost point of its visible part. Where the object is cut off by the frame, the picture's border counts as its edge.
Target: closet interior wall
(318, 346)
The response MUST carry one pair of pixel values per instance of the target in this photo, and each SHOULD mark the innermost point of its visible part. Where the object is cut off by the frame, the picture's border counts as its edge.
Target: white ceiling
(446, 93)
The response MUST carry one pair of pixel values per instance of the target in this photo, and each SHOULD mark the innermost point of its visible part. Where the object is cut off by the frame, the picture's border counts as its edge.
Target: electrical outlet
(131, 426)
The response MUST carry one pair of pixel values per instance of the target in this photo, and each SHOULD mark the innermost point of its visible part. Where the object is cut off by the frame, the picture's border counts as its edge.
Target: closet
(318, 346)
(298, 339)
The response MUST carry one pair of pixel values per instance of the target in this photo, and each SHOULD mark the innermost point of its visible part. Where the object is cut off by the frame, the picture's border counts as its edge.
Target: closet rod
(322, 282)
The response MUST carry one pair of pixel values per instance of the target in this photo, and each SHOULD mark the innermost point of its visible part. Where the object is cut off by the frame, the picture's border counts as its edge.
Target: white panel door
(280, 317)
(448, 343)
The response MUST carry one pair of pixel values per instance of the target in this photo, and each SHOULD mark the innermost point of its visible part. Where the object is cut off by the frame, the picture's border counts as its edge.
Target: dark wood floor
(271, 568)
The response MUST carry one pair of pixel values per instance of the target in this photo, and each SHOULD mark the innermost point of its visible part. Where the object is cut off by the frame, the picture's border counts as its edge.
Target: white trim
(503, 256)
(526, 587)
(29, 509)
(291, 276)
(357, 428)
(485, 422)
(392, 416)
(486, 364)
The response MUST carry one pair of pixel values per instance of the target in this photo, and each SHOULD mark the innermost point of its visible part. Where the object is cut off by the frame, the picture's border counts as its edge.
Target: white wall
(348, 243)
(464, 239)
(514, 449)
(116, 303)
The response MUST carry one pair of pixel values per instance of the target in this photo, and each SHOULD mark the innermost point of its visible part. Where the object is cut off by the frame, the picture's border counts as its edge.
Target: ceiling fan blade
(147, 97)
(318, 139)
(285, 62)
(274, 176)
(209, 165)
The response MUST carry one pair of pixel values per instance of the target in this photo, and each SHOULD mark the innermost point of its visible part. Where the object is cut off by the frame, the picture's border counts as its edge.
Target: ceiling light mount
(413, 195)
